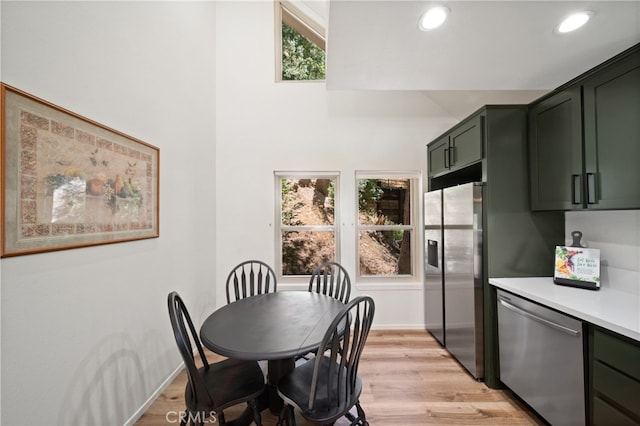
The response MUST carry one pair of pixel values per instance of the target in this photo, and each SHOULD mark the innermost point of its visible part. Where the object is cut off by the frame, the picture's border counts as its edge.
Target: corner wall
(86, 337)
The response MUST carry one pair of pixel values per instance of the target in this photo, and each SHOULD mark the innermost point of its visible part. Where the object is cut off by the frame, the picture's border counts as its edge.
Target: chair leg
(221, 419)
(287, 416)
(197, 418)
(257, 418)
(360, 420)
(361, 415)
(282, 415)
(291, 417)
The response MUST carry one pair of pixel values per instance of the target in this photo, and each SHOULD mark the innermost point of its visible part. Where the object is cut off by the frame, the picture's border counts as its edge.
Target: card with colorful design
(577, 266)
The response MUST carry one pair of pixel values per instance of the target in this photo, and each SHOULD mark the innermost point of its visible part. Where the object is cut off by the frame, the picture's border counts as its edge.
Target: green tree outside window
(301, 59)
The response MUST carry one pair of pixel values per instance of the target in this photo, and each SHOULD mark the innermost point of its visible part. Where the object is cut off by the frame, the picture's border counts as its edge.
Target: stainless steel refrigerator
(453, 272)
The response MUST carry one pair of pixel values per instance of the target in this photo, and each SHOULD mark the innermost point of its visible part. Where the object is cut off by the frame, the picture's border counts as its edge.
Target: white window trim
(416, 263)
(278, 228)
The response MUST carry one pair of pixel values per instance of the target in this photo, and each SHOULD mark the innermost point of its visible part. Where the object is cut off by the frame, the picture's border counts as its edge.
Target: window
(306, 221)
(387, 224)
(300, 41)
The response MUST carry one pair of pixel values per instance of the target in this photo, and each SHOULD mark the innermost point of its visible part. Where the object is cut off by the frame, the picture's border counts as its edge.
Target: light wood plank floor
(408, 380)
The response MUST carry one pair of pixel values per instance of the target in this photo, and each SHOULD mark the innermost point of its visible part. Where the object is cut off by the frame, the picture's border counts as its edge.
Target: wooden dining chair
(332, 279)
(249, 278)
(327, 387)
(215, 387)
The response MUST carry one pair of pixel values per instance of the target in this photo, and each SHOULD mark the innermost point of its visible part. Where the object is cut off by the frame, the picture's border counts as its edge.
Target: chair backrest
(249, 278)
(344, 341)
(185, 333)
(332, 279)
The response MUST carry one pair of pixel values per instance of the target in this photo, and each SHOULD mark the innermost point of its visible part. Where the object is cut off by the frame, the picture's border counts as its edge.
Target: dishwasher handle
(535, 317)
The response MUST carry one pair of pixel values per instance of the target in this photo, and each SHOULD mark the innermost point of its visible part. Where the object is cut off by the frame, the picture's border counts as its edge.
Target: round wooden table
(274, 327)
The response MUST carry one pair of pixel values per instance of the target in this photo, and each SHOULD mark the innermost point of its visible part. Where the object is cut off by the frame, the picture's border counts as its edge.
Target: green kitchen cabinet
(460, 147)
(466, 143)
(555, 151)
(612, 136)
(584, 140)
(437, 155)
(614, 379)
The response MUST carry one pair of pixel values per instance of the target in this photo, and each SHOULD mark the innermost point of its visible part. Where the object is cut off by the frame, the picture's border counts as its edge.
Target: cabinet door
(555, 143)
(438, 156)
(615, 379)
(466, 143)
(612, 136)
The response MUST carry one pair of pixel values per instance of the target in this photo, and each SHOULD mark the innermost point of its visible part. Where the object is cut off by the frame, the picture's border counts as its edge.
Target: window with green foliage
(301, 59)
(386, 224)
(301, 45)
(306, 224)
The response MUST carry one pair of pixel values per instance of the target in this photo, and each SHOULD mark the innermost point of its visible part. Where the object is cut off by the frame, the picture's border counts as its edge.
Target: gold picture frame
(70, 182)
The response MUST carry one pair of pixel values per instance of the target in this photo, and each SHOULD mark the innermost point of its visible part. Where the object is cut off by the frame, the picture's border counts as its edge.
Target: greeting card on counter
(577, 267)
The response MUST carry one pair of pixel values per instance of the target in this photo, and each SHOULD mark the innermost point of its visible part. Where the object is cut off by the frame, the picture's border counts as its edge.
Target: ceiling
(486, 52)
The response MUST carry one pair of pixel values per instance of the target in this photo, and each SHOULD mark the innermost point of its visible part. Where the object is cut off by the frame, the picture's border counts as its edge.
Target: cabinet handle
(576, 187)
(591, 188)
(446, 158)
(541, 320)
(452, 156)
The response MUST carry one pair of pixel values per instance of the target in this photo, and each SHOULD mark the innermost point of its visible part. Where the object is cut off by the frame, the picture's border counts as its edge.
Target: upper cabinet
(438, 156)
(555, 142)
(584, 141)
(458, 148)
(612, 136)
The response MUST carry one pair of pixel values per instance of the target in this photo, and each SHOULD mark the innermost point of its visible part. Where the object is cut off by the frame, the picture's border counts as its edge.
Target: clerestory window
(300, 40)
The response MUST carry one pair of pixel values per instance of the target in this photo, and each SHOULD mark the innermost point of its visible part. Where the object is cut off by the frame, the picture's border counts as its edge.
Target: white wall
(85, 333)
(265, 126)
(617, 235)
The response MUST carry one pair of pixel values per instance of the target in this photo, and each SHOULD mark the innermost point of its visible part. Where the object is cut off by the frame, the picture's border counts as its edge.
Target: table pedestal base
(276, 370)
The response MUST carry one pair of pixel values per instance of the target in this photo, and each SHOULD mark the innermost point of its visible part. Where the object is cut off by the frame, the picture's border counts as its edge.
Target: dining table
(276, 327)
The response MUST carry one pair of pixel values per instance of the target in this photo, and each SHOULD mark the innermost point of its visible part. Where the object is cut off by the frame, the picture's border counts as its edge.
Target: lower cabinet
(615, 379)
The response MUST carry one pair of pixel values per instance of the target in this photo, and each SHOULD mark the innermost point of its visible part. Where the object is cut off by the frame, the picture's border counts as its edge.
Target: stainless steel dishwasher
(541, 359)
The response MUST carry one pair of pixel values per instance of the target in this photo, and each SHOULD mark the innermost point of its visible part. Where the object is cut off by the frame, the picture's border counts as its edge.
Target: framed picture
(69, 182)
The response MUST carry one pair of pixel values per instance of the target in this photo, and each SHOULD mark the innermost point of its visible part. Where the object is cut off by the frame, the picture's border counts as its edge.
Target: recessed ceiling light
(574, 21)
(433, 18)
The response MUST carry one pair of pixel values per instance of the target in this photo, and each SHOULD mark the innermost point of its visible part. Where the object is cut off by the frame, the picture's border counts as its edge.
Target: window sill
(362, 286)
(387, 286)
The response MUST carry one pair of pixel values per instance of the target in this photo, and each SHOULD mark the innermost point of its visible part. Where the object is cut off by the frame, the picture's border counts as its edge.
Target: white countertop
(614, 310)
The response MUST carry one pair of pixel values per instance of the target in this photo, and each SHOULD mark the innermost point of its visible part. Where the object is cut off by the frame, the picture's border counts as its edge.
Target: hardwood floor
(408, 380)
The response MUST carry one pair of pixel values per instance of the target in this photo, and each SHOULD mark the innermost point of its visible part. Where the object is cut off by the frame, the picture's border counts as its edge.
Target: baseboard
(140, 411)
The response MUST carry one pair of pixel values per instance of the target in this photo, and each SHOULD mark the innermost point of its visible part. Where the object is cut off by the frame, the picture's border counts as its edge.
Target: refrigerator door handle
(535, 317)
(432, 253)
